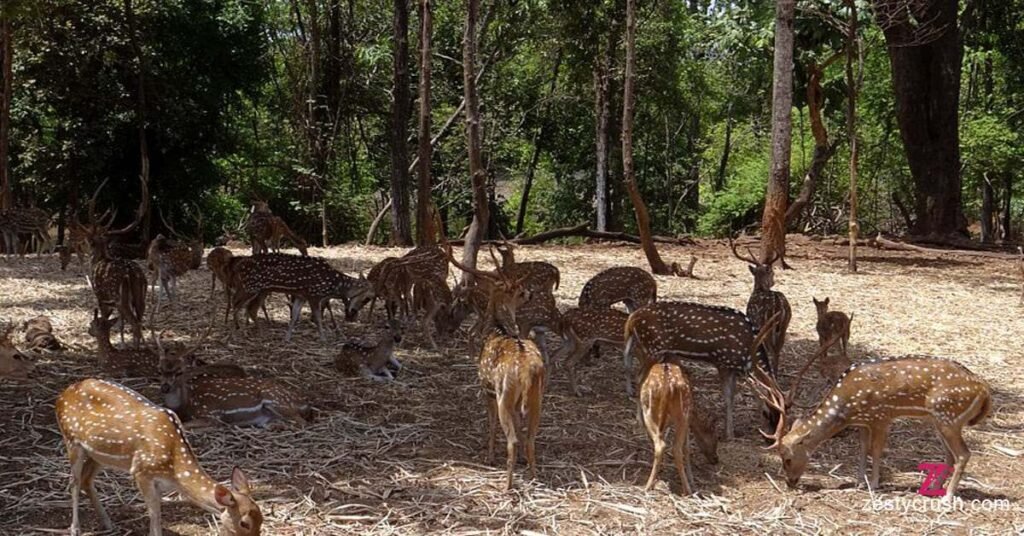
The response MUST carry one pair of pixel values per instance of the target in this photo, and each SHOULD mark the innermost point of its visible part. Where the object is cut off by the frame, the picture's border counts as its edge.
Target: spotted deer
(511, 369)
(168, 261)
(433, 298)
(14, 364)
(371, 361)
(39, 334)
(119, 284)
(204, 400)
(219, 261)
(666, 398)
(869, 396)
(260, 227)
(34, 222)
(537, 276)
(722, 337)
(306, 279)
(76, 242)
(633, 287)
(833, 324)
(107, 425)
(538, 316)
(174, 365)
(765, 303)
(279, 230)
(581, 329)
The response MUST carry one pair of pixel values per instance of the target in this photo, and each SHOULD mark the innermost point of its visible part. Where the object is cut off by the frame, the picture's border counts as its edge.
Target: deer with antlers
(119, 284)
(666, 398)
(105, 424)
(511, 369)
(722, 337)
(13, 363)
(869, 396)
(764, 303)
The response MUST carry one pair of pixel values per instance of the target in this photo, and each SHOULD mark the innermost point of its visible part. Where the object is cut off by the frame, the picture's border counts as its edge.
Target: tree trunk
(478, 176)
(602, 113)
(643, 220)
(987, 208)
(1007, 208)
(535, 157)
(6, 201)
(851, 126)
(425, 232)
(141, 106)
(401, 232)
(926, 84)
(773, 229)
(823, 150)
(723, 164)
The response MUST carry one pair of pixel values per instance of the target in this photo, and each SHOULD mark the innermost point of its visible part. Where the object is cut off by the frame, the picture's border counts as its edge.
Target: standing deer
(581, 329)
(131, 362)
(833, 324)
(511, 369)
(433, 298)
(633, 287)
(666, 397)
(870, 396)
(371, 361)
(118, 283)
(764, 303)
(76, 242)
(720, 336)
(33, 222)
(218, 261)
(105, 424)
(536, 276)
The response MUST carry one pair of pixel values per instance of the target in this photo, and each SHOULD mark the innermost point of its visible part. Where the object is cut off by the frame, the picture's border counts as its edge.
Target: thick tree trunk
(425, 232)
(602, 112)
(478, 176)
(987, 210)
(141, 107)
(643, 220)
(851, 127)
(926, 84)
(401, 232)
(773, 228)
(6, 201)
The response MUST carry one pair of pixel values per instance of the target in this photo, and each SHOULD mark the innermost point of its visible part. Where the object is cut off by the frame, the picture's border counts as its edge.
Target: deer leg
(152, 497)
(654, 430)
(862, 466)
(88, 475)
(507, 419)
(77, 456)
(578, 352)
(879, 437)
(681, 451)
(728, 379)
(492, 425)
(627, 362)
(318, 319)
(296, 312)
(953, 438)
(535, 397)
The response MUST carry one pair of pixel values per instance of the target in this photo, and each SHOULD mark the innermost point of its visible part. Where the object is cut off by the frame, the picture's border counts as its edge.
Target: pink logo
(934, 480)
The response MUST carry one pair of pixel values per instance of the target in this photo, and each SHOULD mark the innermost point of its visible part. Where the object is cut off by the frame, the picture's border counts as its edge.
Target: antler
(166, 223)
(751, 258)
(143, 207)
(91, 205)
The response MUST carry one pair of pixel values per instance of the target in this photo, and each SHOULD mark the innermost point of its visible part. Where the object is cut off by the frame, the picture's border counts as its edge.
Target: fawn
(105, 424)
(372, 361)
(666, 397)
(830, 324)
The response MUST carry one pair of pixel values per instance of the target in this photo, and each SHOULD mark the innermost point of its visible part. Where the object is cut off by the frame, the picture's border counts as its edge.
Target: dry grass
(407, 457)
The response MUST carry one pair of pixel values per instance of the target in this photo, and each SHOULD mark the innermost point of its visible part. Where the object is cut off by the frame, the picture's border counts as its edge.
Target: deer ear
(223, 496)
(752, 268)
(239, 480)
(825, 301)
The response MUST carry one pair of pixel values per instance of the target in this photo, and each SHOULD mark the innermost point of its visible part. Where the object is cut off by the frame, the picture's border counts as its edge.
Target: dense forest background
(294, 102)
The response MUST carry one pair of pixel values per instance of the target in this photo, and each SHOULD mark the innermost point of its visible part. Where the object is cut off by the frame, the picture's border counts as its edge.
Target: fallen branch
(881, 242)
(583, 230)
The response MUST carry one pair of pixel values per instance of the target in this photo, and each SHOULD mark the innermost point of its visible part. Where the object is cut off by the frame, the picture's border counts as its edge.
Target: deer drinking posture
(720, 336)
(833, 324)
(371, 361)
(105, 424)
(306, 279)
(764, 303)
(39, 334)
(633, 287)
(511, 369)
(581, 329)
(666, 398)
(871, 395)
(117, 283)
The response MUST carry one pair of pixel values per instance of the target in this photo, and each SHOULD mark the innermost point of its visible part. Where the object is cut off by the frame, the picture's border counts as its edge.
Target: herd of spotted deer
(105, 424)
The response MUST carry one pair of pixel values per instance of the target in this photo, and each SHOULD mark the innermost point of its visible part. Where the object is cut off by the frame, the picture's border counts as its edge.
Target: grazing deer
(831, 324)
(536, 276)
(720, 336)
(279, 230)
(39, 334)
(371, 361)
(433, 297)
(13, 364)
(633, 287)
(764, 303)
(208, 399)
(666, 397)
(538, 316)
(117, 283)
(581, 329)
(105, 424)
(870, 396)
(511, 369)
(306, 279)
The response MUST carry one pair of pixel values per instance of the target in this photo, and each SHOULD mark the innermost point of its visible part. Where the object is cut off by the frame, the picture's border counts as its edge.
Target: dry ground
(406, 458)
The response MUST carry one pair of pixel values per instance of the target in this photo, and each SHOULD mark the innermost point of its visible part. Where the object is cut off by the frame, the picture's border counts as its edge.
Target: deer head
(99, 230)
(13, 363)
(241, 515)
(764, 275)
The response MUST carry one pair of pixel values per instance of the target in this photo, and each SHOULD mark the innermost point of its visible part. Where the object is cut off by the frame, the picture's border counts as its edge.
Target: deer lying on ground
(581, 329)
(13, 364)
(39, 334)
(511, 369)
(832, 324)
(870, 396)
(764, 303)
(105, 424)
(173, 365)
(666, 397)
(119, 284)
(722, 337)
(371, 361)
(202, 399)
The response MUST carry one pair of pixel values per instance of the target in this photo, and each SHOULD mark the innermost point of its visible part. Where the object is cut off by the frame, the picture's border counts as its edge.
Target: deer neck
(192, 481)
(831, 417)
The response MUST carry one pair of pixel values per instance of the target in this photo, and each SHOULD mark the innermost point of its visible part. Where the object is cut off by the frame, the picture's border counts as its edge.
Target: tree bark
(926, 83)
(478, 176)
(1007, 208)
(602, 113)
(6, 201)
(141, 106)
(425, 232)
(643, 220)
(851, 126)
(401, 232)
(773, 230)
(987, 209)
(723, 164)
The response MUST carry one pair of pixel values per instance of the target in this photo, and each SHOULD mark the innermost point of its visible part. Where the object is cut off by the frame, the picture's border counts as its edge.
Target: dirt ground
(408, 457)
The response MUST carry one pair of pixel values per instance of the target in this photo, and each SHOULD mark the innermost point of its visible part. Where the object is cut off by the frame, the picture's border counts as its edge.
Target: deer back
(293, 274)
(619, 284)
(605, 325)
